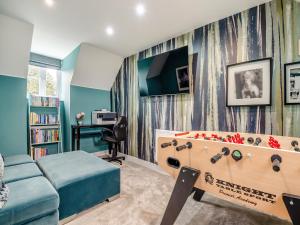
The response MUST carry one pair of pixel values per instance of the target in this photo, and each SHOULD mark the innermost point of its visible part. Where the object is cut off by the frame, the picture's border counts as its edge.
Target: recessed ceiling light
(109, 31)
(140, 9)
(49, 3)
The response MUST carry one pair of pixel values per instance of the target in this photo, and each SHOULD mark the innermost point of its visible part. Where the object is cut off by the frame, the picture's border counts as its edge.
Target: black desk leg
(78, 139)
(183, 188)
(73, 139)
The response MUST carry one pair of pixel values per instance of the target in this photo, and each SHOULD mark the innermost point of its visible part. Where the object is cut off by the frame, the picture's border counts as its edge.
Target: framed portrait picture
(292, 83)
(182, 75)
(249, 83)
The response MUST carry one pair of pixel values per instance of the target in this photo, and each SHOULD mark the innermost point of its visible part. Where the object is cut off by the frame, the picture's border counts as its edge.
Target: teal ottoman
(21, 172)
(16, 160)
(82, 180)
(31, 201)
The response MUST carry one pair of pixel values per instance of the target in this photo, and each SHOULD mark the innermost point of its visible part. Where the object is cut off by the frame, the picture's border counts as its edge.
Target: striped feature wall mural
(269, 30)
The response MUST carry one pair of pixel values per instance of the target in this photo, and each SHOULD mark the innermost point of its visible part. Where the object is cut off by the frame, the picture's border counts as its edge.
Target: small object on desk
(79, 118)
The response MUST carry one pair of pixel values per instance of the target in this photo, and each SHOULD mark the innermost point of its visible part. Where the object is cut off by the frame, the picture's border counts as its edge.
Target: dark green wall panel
(87, 100)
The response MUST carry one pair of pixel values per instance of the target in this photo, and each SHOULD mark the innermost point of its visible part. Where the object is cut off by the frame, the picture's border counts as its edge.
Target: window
(43, 81)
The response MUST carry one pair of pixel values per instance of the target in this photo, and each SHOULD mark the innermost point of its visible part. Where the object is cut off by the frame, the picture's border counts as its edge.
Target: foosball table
(257, 171)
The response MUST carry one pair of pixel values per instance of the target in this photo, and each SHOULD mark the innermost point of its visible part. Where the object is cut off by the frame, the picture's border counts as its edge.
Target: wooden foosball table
(257, 171)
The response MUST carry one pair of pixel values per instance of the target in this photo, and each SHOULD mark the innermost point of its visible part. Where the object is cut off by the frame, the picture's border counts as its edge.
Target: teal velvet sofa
(55, 187)
(17, 160)
(32, 199)
(82, 180)
(21, 172)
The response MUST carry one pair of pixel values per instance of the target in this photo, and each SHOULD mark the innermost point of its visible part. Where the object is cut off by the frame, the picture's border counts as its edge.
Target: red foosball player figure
(273, 143)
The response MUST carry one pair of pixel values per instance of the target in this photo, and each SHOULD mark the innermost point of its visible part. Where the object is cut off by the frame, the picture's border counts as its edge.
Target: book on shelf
(38, 153)
(44, 101)
(39, 136)
(43, 119)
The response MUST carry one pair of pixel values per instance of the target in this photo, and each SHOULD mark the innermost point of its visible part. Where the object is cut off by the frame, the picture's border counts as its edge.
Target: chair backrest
(120, 129)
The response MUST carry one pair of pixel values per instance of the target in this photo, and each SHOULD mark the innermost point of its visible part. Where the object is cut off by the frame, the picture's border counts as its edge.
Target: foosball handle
(216, 158)
(165, 145)
(295, 145)
(182, 147)
(250, 140)
(276, 161)
(257, 141)
(174, 142)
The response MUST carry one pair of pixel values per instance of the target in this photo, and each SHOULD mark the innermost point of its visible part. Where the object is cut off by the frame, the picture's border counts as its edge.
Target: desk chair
(114, 138)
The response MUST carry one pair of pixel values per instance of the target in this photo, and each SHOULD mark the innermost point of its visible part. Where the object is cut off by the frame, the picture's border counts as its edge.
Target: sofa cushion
(17, 159)
(29, 199)
(20, 172)
(82, 180)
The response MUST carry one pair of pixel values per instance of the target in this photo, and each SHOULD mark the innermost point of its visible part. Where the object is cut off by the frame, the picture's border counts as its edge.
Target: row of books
(37, 153)
(46, 119)
(39, 136)
(44, 101)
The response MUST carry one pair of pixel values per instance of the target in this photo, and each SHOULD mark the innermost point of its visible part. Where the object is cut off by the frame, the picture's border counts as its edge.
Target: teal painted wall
(86, 100)
(68, 65)
(13, 115)
(69, 62)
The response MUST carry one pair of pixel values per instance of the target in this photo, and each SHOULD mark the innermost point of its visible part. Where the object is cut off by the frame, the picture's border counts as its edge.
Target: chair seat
(16, 160)
(20, 172)
(28, 200)
(109, 139)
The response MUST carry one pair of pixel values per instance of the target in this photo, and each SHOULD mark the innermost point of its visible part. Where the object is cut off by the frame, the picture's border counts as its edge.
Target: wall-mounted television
(164, 74)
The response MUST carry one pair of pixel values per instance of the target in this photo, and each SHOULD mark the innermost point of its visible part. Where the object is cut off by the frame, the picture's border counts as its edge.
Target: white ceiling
(58, 30)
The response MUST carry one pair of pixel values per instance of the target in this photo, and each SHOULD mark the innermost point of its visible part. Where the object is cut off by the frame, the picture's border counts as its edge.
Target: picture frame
(249, 83)
(292, 83)
(182, 75)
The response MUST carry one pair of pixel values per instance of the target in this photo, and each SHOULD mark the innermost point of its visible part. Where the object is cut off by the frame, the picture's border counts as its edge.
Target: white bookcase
(45, 132)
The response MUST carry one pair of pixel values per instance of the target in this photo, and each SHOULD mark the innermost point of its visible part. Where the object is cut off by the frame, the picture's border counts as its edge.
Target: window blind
(45, 61)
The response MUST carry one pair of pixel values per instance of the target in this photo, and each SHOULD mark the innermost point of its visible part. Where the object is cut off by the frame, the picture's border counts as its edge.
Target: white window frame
(42, 81)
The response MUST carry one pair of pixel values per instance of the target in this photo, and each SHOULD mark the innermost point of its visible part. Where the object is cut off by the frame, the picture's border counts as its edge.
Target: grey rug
(145, 194)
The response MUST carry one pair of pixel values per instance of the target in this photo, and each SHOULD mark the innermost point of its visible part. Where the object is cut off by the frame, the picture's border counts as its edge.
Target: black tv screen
(164, 74)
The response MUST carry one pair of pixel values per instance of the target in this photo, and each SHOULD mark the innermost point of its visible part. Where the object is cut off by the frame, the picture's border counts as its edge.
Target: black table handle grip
(216, 158)
(165, 145)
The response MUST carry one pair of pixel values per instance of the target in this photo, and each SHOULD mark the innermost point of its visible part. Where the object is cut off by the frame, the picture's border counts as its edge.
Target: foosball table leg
(182, 190)
(292, 204)
(198, 195)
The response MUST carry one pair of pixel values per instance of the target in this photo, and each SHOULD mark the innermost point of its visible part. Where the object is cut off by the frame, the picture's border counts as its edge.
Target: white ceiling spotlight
(140, 9)
(110, 31)
(49, 3)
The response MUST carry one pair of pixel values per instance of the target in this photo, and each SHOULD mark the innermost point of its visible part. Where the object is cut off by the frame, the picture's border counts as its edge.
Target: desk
(76, 132)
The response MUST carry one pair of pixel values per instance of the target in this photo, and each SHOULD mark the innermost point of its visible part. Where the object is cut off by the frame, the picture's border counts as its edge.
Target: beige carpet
(145, 194)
